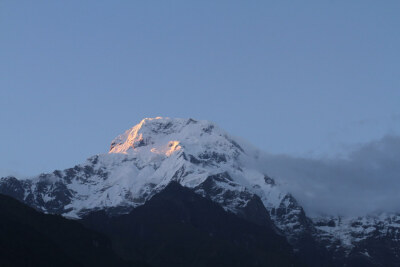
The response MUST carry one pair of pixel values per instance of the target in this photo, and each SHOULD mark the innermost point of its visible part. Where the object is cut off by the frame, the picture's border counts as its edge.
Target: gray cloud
(368, 180)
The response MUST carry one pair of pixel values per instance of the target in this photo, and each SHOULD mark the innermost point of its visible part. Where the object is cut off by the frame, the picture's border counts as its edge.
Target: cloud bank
(366, 181)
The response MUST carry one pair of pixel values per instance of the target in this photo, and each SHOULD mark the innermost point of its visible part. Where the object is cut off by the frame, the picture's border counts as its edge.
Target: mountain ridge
(31, 238)
(196, 154)
(194, 231)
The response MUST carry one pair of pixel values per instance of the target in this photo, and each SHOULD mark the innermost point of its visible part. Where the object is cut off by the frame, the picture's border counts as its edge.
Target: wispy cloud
(368, 180)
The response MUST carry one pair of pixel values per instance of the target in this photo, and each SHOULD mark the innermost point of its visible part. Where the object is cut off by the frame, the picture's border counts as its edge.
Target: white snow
(145, 158)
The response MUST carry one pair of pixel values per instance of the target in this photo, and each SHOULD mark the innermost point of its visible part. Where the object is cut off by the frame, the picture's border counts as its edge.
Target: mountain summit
(198, 155)
(140, 163)
(153, 132)
(146, 158)
(155, 139)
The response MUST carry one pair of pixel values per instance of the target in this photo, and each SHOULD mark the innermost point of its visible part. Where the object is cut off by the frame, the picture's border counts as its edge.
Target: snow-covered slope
(198, 155)
(145, 159)
(372, 236)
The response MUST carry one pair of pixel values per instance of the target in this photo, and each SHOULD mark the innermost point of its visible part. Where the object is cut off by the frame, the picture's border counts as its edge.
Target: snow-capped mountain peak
(154, 139)
(166, 134)
(195, 153)
(144, 159)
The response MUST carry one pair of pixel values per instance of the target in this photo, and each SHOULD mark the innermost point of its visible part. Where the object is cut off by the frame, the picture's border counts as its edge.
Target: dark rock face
(178, 227)
(13, 187)
(30, 238)
(375, 240)
(242, 202)
(291, 213)
(211, 189)
(299, 230)
(45, 196)
(269, 180)
(379, 247)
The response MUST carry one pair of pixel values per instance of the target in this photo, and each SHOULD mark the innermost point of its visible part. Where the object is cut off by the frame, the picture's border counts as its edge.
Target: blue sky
(305, 78)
